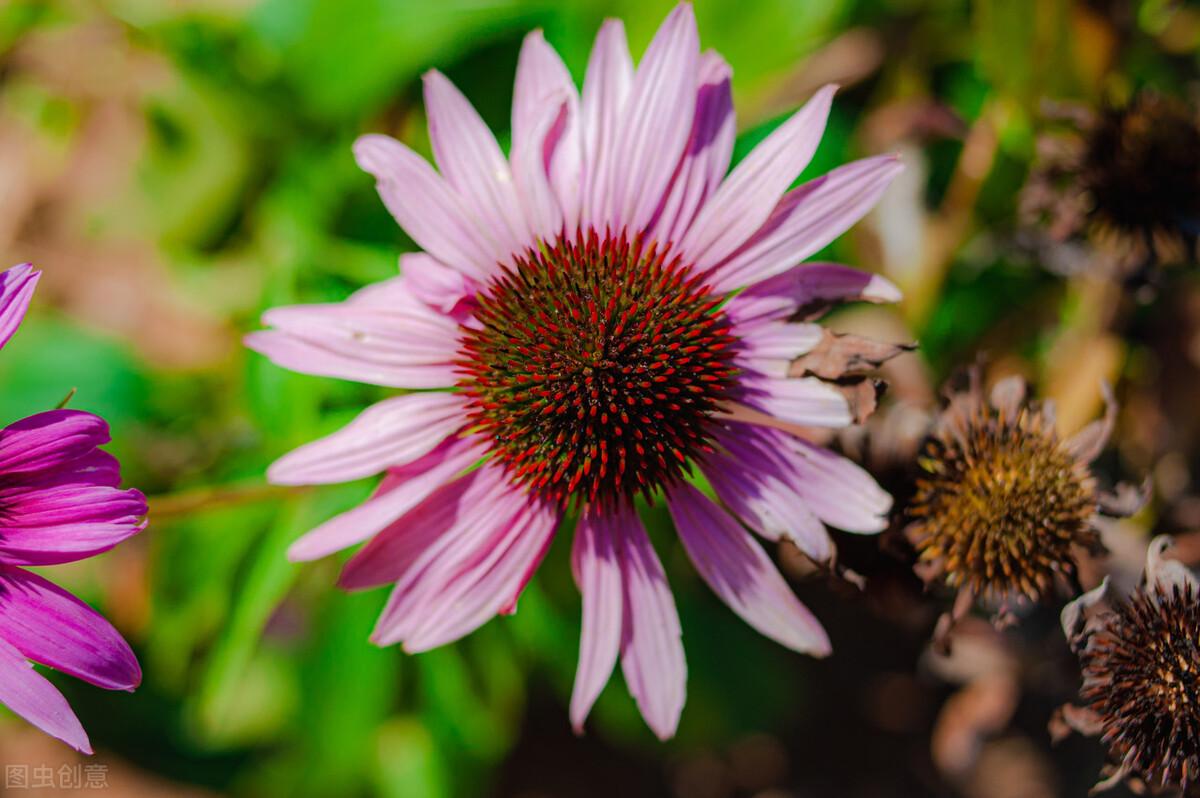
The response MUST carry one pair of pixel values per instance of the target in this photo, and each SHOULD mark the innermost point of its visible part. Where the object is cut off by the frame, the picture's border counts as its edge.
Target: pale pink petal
(490, 515)
(391, 552)
(605, 91)
(401, 490)
(390, 433)
(473, 164)
(651, 647)
(806, 401)
(782, 296)
(428, 209)
(16, 289)
(741, 573)
(756, 479)
(840, 492)
(656, 121)
(807, 219)
(746, 198)
(401, 344)
(706, 156)
(597, 567)
(50, 626)
(437, 285)
(490, 583)
(546, 130)
(530, 165)
(770, 348)
(30, 695)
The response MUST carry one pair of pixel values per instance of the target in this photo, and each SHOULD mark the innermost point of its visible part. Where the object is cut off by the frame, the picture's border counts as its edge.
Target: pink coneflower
(59, 502)
(606, 315)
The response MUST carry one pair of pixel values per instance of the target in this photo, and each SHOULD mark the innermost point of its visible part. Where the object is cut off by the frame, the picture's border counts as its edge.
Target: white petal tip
(881, 289)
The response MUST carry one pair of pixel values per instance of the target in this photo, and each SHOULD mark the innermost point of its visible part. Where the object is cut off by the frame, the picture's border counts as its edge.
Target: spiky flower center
(1001, 505)
(1142, 677)
(1142, 166)
(595, 368)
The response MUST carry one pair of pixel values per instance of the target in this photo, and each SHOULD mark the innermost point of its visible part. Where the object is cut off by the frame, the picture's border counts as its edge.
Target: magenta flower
(598, 317)
(59, 502)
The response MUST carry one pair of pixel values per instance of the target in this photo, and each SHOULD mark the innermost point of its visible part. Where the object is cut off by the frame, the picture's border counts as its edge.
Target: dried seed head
(1127, 179)
(1141, 671)
(1003, 502)
(596, 367)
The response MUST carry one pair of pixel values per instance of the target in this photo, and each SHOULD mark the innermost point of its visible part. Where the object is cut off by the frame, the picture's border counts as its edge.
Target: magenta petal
(401, 490)
(597, 568)
(49, 440)
(741, 573)
(656, 120)
(64, 523)
(27, 693)
(651, 649)
(746, 198)
(49, 625)
(16, 289)
(605, 90)
(807, 219)
(770, 347)
(390, 433)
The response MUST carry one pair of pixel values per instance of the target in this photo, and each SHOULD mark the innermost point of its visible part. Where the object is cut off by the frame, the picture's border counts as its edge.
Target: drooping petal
(656, 121)
(756, 479)
(402, 489)
(390, 433)
(706, 156)
(405, 344)
(605, 90)
(741, 573)
(651, 647)
(49, 625)
(16, 289)
(784, 295)
(597, 568)
(425, 207)
(47, 525)
(27, 693)
(807, 219)
(49, 440)
(746, 198)
(546, 128)
(473, 164)
(840, 492)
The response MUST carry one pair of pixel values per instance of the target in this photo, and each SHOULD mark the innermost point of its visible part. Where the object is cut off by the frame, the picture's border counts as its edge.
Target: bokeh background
(177, 166)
